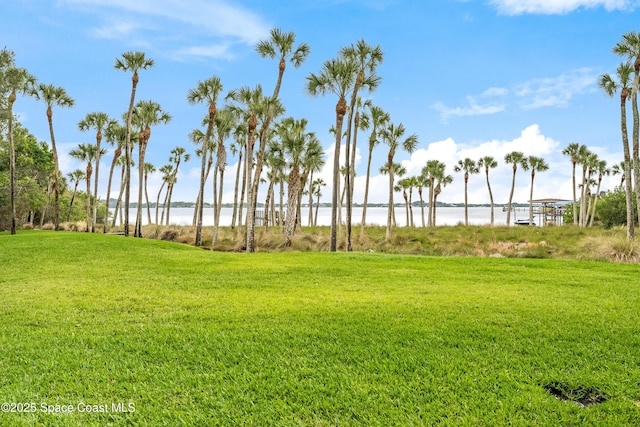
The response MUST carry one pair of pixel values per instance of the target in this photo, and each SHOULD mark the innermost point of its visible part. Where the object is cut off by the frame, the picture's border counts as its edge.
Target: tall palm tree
(367, 58)
(294, 137)
(602, 170)
(99, 122)
(178, 155)
(588, 160)
(148, 168)
(239, 142)
(467, 166)
(280, 46)
(134, 62)
(442, 181)
(403, 185)
(379, 120)
(115, 135)
(253, 106)
(610, 87)
(393, 136)
(433, 170)
(224, 123)
(421, 182)
(87, 153)
(58, 96)
(312, 161)
(336, 76)
(514, 158)
(535, 164)
(76, 176)
(574, 151)
(144, 115)
(18, 80)
(167, 174)
(488, 162)
(205, 91)
(629, 47)
(317, 192)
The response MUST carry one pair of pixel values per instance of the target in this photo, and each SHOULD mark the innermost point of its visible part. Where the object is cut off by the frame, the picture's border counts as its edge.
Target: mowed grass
(200, 338)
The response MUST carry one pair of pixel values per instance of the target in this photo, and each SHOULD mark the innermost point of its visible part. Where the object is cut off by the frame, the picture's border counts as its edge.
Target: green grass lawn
(184, 336)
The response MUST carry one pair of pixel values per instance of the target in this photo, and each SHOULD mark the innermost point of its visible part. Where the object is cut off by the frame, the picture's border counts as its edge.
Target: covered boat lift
(545, 212)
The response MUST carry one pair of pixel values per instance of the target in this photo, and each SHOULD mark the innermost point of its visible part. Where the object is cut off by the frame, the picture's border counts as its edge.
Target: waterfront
(375, 216)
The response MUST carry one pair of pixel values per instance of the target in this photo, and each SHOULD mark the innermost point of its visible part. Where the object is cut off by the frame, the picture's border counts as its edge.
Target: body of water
(375, 216)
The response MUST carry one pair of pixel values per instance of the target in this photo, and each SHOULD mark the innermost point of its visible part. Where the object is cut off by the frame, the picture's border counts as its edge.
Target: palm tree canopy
(515, 158)
(133, 61)
(392, 136)
(610, 86)
(336, 76)
(53, 95)
(205, 91)
(467, 165)
(149, 113)
(281, 45)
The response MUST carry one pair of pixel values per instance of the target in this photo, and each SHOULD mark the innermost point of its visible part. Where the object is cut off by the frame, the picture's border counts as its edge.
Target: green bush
(612, 209)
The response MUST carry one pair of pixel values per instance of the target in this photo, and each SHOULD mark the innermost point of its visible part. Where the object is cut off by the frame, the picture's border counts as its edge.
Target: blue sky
(470, 77)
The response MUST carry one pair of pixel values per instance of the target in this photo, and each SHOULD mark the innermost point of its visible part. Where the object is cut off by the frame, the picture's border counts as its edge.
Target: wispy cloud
(557, 7)
(167, 22)
(554, 92)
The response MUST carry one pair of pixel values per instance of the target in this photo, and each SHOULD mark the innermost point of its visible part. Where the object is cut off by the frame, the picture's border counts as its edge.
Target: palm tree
(469, 167)
(588, 160)
(515, 158)
(87, 153)
(535, 164)
(442, 181)
(367, 58)
(167, 174)
(336, 76)
(224, 123)
(610, 87)
(393, 136)
(76, 176)
(205, 91)
(148, 168)
(379, 120)
(134, 62)
(618, 169)
(629, 47)
(256, 107)
(144, 115)
(488, 162)
(115, 135)
(99, 122)
(421, 182)
(18, 80)
(239, 142)
(574, 151)
(403, 185)
(602, 170)
(58, 96)
(281, 46)
(433, 170)
(178, 155)
(317, 191)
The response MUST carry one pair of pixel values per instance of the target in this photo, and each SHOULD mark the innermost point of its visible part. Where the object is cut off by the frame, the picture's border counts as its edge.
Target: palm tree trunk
(421, 205)
(311, 198)
(116, 155)
(141, 151)
(466, 200)
(235, 189)
(158, 201)
(146, 196)
(89, 172)
(432, 206)
(575, 207)
(533, 174)
(315, 219)
(390, 209)
(595, 202)
(292, 205)
(123, 184)
(56, 172)
(490, 195)
(341, 109)
(513, 186)
(127, 196)
(95, 186)
(636, 133)
(12, 164)
(73, 197)
(366, 194)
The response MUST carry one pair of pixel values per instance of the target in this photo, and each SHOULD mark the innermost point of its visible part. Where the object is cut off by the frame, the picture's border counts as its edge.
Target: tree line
(280, 150)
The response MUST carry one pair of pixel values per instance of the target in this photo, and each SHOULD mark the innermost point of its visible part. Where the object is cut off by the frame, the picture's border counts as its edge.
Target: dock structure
(548, 211)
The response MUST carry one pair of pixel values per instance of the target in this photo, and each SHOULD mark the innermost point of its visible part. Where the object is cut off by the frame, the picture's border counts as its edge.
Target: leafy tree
(612, 209)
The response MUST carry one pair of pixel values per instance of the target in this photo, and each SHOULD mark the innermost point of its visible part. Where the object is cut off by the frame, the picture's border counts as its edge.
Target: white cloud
(553, 7)
(533, 94)
(162, 22)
